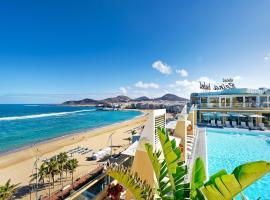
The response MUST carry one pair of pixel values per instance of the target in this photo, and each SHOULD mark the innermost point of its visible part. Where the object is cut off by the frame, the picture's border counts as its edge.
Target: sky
(54, 50)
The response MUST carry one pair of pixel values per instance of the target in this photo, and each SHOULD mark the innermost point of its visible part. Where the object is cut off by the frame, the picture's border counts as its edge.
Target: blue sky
(51, 51)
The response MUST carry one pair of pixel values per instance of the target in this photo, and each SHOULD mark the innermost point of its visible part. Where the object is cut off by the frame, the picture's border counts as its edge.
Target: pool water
(228, 148)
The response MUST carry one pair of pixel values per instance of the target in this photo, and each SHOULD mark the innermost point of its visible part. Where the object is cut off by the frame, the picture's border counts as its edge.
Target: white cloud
(206, 79)
(141, 84)
(123, 90)
(237, 78)
(184, 88)
(182, 72)
(267, 57)
(162, 67)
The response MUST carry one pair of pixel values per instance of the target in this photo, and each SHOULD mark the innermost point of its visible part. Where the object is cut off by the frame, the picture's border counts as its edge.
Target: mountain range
(124, 99)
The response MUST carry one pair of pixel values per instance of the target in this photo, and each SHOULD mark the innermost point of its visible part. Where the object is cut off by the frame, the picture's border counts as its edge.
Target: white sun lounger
(228, 125)
(262, 127)
(213, 123)
(243, 125)
(251, 126)
(234, 124)
(219, 124)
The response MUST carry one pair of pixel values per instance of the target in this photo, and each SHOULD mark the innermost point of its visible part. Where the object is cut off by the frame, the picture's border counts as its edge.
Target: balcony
(244, 106)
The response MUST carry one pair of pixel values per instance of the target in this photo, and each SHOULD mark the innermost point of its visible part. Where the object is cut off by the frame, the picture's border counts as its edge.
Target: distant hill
(118, 99)
(82, 102)
(144, 98)
(171, 97)
(124, 99)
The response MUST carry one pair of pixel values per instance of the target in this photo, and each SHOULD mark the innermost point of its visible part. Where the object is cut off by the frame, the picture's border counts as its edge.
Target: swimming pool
(228, 148)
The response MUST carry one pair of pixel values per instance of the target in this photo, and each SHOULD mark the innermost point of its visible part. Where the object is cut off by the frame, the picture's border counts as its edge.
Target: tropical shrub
(7, 190)
(222, 185)
(170, 174)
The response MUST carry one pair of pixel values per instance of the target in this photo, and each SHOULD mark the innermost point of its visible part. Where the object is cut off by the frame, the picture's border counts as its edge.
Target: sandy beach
(18, 165)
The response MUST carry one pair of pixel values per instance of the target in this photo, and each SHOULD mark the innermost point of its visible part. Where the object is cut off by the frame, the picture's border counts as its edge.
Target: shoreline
(68, 134)
(39, 148)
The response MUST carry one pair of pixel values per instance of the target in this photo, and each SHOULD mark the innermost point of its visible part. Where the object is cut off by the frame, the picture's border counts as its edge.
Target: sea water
(23, 125)
(228, 148)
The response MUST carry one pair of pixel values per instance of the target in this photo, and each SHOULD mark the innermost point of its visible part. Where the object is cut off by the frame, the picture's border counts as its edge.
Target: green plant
(62, 159)
(170, 173)
(139, 188)
(72, 164)
(7, 190)
(169, 168)
(53, 169)
(198, 178)
(223, 186)
(42, 173)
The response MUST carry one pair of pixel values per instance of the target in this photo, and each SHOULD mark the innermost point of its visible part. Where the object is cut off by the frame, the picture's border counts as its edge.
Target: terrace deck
(199, 150)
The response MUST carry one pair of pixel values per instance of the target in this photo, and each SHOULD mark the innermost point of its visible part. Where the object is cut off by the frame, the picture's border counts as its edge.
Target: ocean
(23, 125)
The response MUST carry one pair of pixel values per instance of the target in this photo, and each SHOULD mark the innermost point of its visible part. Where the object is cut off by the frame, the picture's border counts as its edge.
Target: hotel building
(242, 101)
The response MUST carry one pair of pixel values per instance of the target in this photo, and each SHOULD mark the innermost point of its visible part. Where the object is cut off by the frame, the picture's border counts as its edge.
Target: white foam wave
(42, 115)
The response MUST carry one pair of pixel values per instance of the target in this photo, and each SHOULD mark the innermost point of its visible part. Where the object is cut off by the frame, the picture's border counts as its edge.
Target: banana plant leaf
(197, 179)
(164, 188)
(176, 170)
(225, 186)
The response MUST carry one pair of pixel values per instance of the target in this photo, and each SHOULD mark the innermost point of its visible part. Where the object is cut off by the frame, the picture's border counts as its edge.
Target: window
(263, 101)
(238, 102)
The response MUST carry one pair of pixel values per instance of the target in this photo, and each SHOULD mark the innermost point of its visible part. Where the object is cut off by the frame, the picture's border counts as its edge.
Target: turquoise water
(22, 125)
(229, 148)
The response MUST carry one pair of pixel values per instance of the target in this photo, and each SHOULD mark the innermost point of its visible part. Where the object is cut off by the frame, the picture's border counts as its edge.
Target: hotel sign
(225, 85)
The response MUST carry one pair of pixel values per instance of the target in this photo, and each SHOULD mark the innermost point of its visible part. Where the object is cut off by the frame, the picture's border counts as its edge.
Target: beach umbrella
(256, 116)
(238, 115)
(223, 115)
(208, 115)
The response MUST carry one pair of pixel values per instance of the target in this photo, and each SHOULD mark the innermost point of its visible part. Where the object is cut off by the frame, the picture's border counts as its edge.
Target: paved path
(199, 150)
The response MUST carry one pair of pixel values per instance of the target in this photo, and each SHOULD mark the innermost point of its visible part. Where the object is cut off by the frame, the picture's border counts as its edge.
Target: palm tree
(65, 168)
(170, 174)
(42, 173)
(62, 159)
(53, 169)
(7, 190)
(72, 165)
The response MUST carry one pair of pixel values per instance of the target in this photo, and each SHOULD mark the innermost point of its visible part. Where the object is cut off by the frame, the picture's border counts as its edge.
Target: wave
(42, 115)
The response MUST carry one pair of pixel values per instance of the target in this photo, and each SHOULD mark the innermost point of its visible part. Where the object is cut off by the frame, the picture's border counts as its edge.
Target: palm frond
(226, 186)
(139, 188)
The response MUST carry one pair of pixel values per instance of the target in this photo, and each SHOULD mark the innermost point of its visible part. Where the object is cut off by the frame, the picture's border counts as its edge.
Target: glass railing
(234, 105)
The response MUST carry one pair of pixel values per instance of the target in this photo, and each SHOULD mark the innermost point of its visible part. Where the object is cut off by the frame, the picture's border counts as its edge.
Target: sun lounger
(243, 125)
(228, 125)
(251, 126)
(234, 124)
(262, 127)
(213, 123)
(219, 124)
